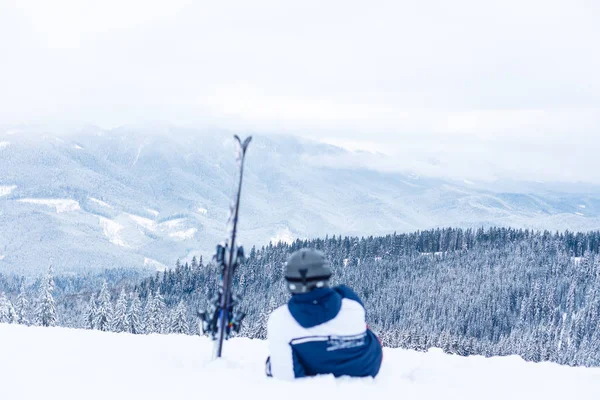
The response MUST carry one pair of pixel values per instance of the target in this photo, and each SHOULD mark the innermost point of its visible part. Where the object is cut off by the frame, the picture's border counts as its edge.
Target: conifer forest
(495, 291)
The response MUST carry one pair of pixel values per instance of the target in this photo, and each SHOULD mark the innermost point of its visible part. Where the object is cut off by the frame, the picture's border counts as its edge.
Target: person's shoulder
(352, 307)
(281, 310)
(280, 314)
(348, 293)
(282, 325)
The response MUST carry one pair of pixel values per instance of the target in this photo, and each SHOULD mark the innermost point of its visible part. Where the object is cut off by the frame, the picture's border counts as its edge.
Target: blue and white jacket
(322, 332)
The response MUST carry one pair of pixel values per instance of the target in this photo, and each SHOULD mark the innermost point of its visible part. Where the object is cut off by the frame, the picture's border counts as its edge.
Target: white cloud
(474, 157)
(181, 59)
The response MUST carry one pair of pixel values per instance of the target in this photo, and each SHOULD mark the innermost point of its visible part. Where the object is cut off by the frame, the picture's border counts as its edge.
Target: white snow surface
(284, 236)
(173, 223)
(173, 228)
(4, 144)
(62, 363)
(154, 264)
(100, 202)
(137, 156)
(61, 205)
(112, 231)
(170, 226)
(144, 222)
(577, 260)
(182, 235)
(6, 190)
(435, 253)
(2, 257)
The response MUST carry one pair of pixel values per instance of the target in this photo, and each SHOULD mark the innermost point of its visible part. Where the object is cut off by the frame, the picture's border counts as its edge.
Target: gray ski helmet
(307, 269)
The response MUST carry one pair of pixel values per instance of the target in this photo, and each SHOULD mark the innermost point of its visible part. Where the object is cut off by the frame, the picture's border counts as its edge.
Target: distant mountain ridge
(134, 197)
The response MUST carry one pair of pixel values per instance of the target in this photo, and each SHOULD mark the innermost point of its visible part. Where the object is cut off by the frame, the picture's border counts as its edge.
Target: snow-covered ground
(59, 363)
(182, 235)
(61, 205)
(100, 202)
(112, 231)
(6, 190)
(155, 264)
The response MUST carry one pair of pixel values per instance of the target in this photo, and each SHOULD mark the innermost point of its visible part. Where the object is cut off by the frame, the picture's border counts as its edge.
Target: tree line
(495, 291)
(125, 313)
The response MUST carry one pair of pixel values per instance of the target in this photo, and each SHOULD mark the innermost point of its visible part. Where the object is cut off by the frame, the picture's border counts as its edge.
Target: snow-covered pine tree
(90, 313)
(158, 313)
(7, 312)
(259, 328)
(104, 309)
(22, 307)
(179, 322)
(12, 314)
(46, 309)
(148, 320)
(3, 309)
(119, 322)
(134, 315)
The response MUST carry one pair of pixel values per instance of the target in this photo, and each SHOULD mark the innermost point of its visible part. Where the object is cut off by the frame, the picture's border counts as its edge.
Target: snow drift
(61, 363)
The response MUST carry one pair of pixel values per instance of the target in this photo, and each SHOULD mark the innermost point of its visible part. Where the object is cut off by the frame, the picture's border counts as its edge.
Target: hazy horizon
(501, 90)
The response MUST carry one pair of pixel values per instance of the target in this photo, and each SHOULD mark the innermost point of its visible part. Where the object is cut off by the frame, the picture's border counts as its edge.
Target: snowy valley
(91, 199)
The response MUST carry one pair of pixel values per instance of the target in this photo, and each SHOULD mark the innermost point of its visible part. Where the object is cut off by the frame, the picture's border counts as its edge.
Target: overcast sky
(480, 89)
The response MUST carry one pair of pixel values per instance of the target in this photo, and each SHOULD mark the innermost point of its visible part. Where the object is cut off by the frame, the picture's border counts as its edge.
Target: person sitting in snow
(321, 330)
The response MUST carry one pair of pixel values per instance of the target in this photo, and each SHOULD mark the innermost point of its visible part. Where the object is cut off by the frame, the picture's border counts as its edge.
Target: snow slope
(6, 190)
(61, 205)
(165, 195)
(60, 363)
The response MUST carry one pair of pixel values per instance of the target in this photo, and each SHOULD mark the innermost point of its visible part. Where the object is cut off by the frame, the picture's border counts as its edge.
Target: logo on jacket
(346, 342)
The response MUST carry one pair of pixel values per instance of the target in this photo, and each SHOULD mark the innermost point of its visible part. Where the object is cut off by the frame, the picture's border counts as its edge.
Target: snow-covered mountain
(131, 197)
(60, 363)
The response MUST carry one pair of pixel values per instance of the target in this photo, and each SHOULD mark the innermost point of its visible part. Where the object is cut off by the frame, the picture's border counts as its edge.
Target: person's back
(321, 330)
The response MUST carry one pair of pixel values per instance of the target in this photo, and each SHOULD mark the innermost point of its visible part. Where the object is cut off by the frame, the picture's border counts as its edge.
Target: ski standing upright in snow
(220, 320)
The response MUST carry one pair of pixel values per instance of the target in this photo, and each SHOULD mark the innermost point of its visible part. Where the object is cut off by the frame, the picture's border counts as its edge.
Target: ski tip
(245, 143)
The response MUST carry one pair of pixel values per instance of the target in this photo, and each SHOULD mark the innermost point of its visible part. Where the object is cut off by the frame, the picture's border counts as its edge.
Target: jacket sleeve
(281, 360)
